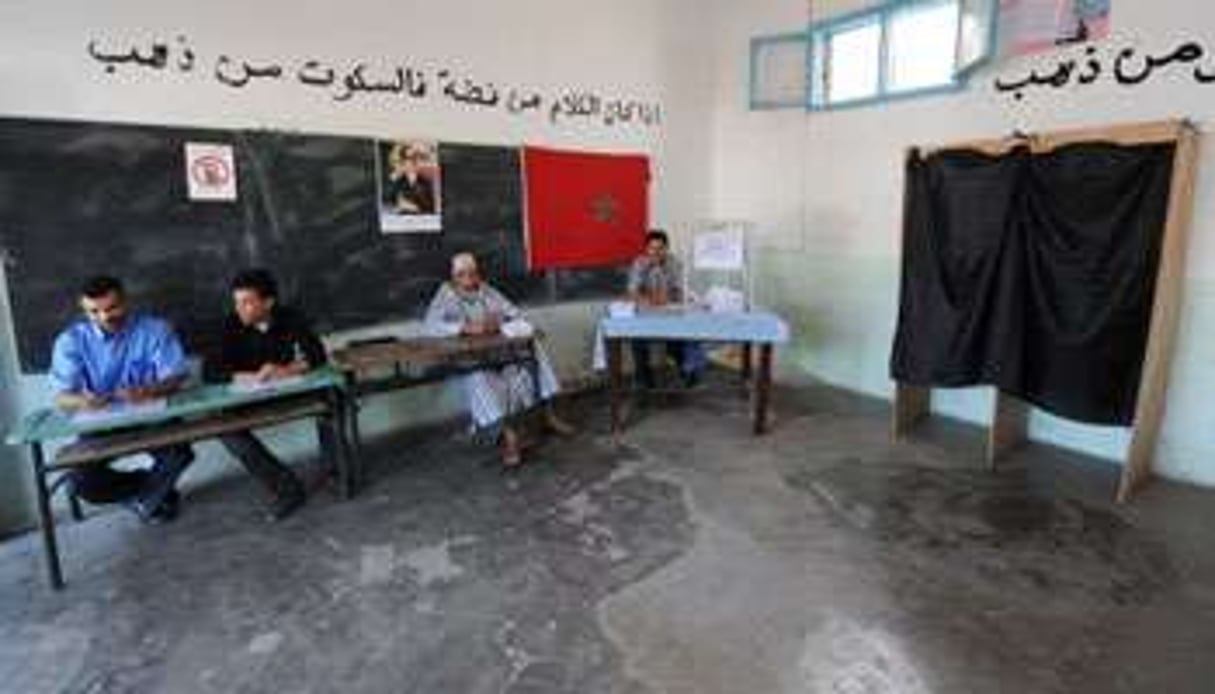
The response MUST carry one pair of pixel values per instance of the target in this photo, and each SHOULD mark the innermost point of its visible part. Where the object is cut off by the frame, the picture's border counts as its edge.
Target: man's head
(254, 293)
(464, 272)
(406, 159)
(657, 244)
(104, 302)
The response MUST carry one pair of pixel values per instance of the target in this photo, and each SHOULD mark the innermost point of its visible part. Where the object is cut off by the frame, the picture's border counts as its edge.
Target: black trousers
(100, 483)
(261, 464)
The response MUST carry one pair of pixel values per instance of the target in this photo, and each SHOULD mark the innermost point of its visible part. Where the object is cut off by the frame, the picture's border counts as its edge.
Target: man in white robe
(467, 305)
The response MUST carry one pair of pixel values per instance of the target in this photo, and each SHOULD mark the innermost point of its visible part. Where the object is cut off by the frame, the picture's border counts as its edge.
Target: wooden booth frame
(1010, 415)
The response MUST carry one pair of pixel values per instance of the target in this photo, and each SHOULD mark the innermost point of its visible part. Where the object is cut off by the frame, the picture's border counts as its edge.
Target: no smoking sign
(210, 171)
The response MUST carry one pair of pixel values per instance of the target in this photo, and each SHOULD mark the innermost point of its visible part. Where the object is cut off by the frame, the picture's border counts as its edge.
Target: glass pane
(854, 63)
(923, 46)
(977, 31)
(779, 71)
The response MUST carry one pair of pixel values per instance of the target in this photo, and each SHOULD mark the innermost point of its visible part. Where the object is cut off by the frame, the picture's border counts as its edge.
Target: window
(778, 71)
(853, 63)
(922, 46)
(898, 49)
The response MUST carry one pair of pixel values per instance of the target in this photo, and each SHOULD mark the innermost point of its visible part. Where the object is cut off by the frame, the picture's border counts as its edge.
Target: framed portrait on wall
(410, 181)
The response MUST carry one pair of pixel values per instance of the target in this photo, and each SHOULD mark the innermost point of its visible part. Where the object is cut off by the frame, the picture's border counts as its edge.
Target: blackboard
(78, 199)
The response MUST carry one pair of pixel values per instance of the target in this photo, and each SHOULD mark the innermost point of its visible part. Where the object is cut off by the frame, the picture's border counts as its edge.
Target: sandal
(512, 453)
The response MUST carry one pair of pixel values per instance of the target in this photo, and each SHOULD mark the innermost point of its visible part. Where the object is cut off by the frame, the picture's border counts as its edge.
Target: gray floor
(692, 559)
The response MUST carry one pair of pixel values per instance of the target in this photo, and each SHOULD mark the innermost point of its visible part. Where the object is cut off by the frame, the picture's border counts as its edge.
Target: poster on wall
(1034, 26)
(210, 172)
(410, 186)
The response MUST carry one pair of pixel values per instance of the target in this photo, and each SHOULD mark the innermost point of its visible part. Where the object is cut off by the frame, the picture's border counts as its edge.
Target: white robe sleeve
(443, 317)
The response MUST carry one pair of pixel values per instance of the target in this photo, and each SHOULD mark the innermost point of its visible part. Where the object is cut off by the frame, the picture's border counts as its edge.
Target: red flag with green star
(583, 209)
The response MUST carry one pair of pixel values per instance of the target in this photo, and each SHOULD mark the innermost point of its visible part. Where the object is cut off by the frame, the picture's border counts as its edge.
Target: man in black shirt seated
(264, 341)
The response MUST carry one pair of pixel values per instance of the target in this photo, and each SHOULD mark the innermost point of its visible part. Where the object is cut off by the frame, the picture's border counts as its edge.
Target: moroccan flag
(584, 210)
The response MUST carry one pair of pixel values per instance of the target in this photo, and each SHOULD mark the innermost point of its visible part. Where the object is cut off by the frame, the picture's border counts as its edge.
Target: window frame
(821, 58)
(758, 45)
(819, 34)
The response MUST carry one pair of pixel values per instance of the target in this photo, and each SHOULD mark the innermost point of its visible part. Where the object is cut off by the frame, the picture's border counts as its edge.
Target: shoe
(285, 503)
(168, 509)
(512, 452)
(166, 512)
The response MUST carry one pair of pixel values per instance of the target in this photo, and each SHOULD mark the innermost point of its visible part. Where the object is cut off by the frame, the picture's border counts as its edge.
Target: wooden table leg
(615, 355)
(763, 390)
(351, 434)
(46, 519)
(345, 458)
(747, 357)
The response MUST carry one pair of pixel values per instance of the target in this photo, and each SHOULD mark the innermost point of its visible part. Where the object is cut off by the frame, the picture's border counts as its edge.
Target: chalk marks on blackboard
(1128, 69)
(362, 79)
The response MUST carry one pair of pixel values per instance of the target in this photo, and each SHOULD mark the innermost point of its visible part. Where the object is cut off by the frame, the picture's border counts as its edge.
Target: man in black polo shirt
(264, 341)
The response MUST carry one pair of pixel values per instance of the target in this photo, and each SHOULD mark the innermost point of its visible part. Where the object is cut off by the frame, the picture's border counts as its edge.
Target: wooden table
(385, 365)
(191, 415)
(750, 329)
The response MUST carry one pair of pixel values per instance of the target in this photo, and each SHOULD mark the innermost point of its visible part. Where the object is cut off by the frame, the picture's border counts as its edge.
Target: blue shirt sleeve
(67, 365)
(168, 357)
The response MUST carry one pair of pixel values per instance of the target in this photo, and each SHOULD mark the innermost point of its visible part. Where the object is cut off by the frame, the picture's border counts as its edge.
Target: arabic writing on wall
(362, 80)
(1128, 69)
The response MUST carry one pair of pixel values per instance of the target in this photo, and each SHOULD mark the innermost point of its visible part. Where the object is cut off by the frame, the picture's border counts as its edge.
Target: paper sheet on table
(517, 329)
(119, 411)
(249, 386)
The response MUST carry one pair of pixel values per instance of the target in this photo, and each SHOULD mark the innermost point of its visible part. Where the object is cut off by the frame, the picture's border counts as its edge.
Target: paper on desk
(622, 309)
(119, 411)
(245, 386)
(517, 329)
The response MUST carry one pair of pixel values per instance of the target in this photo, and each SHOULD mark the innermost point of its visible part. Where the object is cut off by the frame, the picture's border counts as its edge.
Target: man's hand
(490, 325)
(275, 372)
(138, 394)
(162, 389)
(76, 402)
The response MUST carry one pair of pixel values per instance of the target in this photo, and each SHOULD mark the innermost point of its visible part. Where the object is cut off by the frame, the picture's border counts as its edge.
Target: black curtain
(1034, 273)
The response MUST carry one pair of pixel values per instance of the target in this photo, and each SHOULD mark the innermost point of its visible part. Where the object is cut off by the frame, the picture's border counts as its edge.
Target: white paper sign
(210, 171)
(719, 250)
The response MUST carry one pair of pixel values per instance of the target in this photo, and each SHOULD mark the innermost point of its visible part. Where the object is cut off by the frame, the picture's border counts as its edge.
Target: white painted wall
(827, 188)
(637, 49)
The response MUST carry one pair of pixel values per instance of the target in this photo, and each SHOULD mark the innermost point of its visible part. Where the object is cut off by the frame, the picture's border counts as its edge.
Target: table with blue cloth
(751, 329)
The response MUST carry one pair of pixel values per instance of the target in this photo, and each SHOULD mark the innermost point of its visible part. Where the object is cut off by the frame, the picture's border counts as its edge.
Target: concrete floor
(695, 558)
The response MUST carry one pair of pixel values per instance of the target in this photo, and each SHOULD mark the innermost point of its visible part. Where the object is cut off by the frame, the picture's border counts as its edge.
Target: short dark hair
(101, 285)
(258, 280)
(657, 235)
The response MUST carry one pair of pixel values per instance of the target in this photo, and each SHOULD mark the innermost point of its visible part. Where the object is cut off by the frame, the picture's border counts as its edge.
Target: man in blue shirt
(116, 356)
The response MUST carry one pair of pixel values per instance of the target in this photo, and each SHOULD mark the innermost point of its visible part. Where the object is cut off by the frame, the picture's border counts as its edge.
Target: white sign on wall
(210, 172)
(723, 248)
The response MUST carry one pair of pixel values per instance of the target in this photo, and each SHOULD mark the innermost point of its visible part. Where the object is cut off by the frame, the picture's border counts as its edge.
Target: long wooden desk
(752, 328)
(191, 415)
(383, 366)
